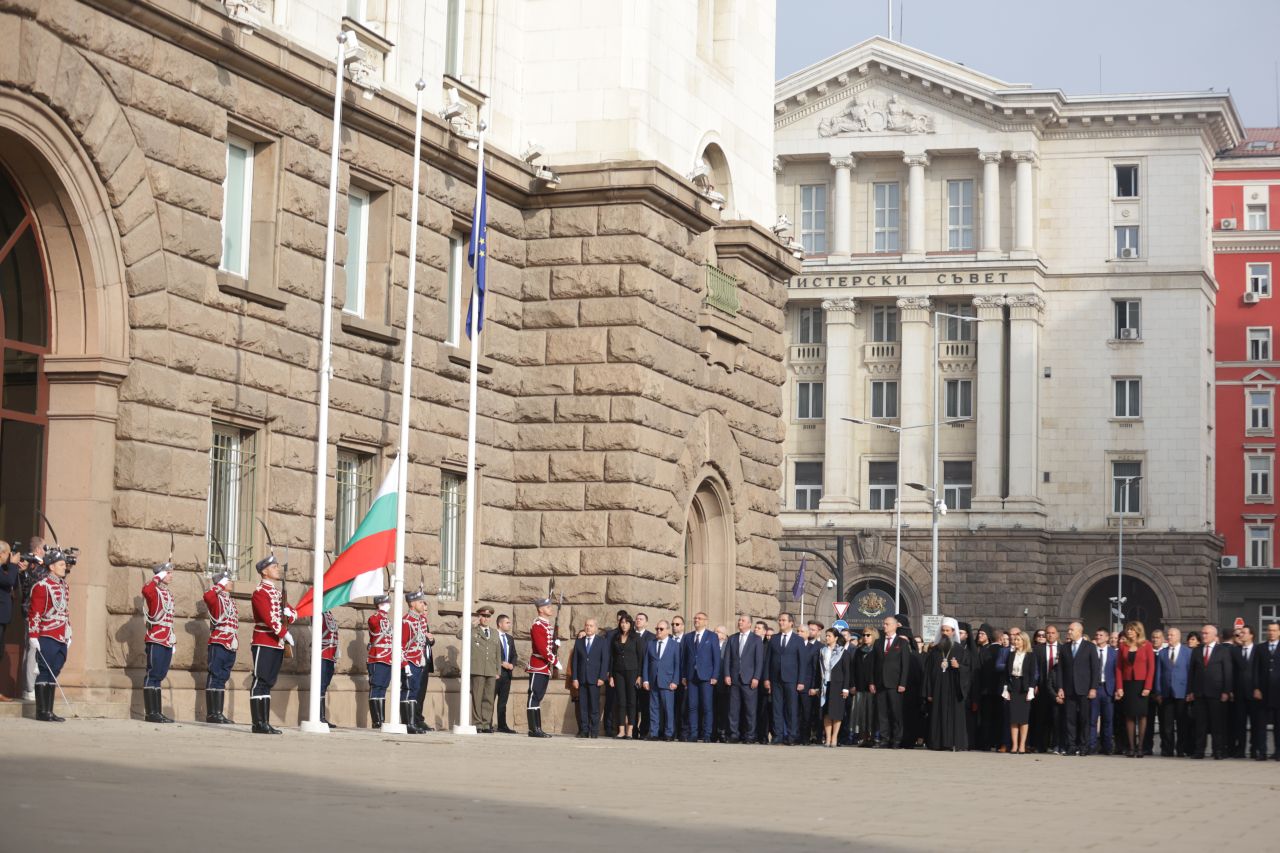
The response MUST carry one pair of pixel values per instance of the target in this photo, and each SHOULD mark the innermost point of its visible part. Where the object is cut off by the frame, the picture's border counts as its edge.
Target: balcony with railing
(808, 354)
(882, 357)
(722, 291)
(957, 356)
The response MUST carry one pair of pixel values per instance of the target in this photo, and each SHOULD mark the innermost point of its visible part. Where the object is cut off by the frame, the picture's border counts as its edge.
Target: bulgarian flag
(357, 573)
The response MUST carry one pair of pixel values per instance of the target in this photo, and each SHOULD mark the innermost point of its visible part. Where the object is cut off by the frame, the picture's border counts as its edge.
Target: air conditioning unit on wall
(1229, 562)
(1227, 224)
(1128, 254)
(1251, 298)
(1128, 334)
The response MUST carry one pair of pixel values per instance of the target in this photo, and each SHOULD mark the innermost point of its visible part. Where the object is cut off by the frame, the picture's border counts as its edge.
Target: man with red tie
(49, 630)
(272, 617)
(157, 612)
(1209, 692)
(224, 640)
(892, 668)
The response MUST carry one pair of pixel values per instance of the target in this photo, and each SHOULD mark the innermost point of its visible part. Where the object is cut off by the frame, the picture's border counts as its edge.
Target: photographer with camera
(49, 628)
(31, 572)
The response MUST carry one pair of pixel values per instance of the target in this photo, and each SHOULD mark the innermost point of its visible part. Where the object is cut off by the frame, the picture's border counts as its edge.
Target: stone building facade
(1032, 270)
(632, 373)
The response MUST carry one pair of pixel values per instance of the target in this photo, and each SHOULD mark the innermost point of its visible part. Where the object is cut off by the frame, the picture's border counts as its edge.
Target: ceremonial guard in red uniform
(379, 661)
(328, 661)
(272, 617)
(541, 659)
(49, 630)
(157, 611)
(413, 636)
(224, 639)
(428, 666)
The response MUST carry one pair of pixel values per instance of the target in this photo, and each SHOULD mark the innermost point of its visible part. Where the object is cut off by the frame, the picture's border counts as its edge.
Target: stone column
(987, 486)
(990, 205)
(1026, 315)
(915, 206)
(1024, 238)
(839, 493)
(842, 235)
(915, 391)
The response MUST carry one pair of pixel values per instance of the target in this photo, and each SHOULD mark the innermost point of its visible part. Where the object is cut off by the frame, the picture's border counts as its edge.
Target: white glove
(1031, 693)
(408, 670)
(1004, 694)
(288, 637)
(33, 643)
(291, 613)
(559, 667)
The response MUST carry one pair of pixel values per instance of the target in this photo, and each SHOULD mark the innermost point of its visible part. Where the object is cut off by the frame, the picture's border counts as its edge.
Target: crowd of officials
(1010, 691)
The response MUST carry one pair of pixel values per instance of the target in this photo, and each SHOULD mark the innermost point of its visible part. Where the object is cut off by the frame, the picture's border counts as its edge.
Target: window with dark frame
(882, 480)
(808, 481)
(1127, 181)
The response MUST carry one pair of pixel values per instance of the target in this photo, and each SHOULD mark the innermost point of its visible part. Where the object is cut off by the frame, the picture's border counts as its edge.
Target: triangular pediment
(1260, 376)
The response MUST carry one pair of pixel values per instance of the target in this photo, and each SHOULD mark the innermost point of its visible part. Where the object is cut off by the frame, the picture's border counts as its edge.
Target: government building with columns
(1007, 300)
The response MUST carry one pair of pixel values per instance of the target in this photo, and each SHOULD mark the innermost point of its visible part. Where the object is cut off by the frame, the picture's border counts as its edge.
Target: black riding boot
(324, 712)
(266, 717)
(222, 707)
(211, 706)
(375, 713)
(535, 724)
(149, 701)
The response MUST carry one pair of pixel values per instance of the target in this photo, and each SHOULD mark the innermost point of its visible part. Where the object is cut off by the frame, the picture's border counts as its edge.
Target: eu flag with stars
(797, 589)
(478, 251)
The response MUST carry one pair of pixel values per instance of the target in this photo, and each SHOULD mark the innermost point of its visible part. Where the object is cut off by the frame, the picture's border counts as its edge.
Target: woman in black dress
(835, 674)
(1019, 689)
(627, 657)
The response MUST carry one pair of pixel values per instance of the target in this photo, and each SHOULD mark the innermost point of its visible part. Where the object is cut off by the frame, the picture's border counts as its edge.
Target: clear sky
(1145, 45)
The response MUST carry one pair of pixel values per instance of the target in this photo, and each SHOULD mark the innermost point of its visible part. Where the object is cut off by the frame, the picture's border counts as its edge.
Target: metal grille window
(810, 331)
(1260, 344)
(813, 218)
(884, 399)
(1128, 398)
(1260, 411)
(1260, 279)
(355, 493)
(232, 469)
(884, 323)
(809, 401)
(1259, 480)
(808, 485)
(1259, 536)
(959, 398)
(882, 478)
(959, 215)
(887, 206)
(957, 484)
(453, 499)
(1122, 472)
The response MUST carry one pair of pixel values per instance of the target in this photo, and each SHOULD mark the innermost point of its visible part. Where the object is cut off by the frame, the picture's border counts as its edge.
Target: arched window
(24, 393)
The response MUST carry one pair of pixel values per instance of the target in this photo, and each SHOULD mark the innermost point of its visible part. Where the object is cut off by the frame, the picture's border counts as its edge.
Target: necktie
(1173, 656)
(784, 641)
(1246, 653)
(888, 641)
(503, 637)
(1075, 648)
(1206, 655)
(486, 633)
(589, 639)
(662, 644)
(742, 643)
(1051, 657)
(1102, 666)
(1273, 648)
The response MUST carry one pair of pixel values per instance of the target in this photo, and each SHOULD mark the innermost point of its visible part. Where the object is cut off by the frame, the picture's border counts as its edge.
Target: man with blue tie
(1173, 672)
(701, 672)
(660, 676)
(785, 681)
(590, 669)
(509, 660)
(743, 670)
(1102, 705)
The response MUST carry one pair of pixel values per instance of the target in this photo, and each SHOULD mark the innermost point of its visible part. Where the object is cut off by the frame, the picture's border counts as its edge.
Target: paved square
(105, 785)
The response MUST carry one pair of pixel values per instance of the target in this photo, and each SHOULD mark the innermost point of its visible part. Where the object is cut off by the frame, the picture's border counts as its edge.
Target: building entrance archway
(709, 564)
(1141, 604)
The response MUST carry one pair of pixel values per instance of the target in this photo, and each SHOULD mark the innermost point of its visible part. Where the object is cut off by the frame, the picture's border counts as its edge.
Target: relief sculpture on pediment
(864, 114)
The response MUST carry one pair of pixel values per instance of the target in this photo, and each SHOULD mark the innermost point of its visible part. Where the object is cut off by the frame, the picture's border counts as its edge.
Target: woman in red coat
(1135, 672)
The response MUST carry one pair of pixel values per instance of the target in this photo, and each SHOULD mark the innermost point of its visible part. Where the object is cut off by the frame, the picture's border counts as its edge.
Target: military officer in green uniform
(486, 656)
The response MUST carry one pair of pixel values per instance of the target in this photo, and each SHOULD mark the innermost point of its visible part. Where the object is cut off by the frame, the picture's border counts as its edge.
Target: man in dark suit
(892, 668)
(743, 671)
(764, 699)
(9, 581)
(660, 677)
(1102, 706)
(1173, 674)
(590, 669)
(1246, 711)
(1046, 713)
(643, 705)
(810, 720)
(785, 681)
(1266, 680)
(1077, 686)
(701, 674)
(1212, 679)
(508, 662)
(682, 698)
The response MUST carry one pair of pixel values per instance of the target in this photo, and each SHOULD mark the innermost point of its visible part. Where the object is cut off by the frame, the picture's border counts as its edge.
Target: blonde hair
(1139, 631)
(875, 633)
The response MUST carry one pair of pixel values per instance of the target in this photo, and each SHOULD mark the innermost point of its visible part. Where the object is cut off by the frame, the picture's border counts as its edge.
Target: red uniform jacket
(270, 623)
(50, 610)
(1143, 667)
(329, 638)
(543, 655)
(157, 610)
(414, 639)
(380, 638)
(224, 618)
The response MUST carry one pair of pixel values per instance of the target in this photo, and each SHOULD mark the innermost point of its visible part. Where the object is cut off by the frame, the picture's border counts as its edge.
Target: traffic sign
(841, 607)
(1239, 621)
(840, 625)
(932, 625)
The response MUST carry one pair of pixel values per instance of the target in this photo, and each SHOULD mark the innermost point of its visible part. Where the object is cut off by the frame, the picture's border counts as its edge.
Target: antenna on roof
(902, 17)
(889, 7)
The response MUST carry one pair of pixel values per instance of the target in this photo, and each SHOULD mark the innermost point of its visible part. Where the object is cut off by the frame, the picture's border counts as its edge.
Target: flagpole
(312, 724)
(469, 537)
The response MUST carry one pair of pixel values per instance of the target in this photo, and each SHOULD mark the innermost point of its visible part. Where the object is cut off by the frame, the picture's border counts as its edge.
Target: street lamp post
(897, 505)
(1124, 508)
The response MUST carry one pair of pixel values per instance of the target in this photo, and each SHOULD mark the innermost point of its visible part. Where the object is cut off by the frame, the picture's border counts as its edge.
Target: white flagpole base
(397, 729)
(313, 727)
(465, 730)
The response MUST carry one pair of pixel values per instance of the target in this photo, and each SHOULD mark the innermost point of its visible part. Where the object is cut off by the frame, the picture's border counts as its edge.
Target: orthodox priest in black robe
(947, 681)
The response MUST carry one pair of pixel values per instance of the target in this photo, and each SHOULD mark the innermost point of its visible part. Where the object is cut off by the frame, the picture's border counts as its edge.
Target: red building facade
(1246, 238)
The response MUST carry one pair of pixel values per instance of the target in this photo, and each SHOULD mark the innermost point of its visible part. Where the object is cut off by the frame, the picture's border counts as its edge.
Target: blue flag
(797, 589)
(478, 251)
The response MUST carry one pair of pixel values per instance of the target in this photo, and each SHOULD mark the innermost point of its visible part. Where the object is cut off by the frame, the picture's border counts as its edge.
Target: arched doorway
(24, 391)
(1141, 603)
(719, 178)
(709, 565)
